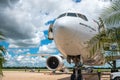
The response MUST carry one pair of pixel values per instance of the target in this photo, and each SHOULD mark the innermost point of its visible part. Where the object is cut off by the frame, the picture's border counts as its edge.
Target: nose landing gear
(77, 73)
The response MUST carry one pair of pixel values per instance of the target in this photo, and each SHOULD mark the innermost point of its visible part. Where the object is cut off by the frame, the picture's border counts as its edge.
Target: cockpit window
(72, 14)
(82, 16)
(62, 15)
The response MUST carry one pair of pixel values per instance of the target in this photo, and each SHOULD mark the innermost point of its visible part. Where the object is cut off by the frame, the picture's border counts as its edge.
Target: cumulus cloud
(49, 48)
(18, 51)
(31, 61)
(24, 60)
(18, 26)
(22, 21)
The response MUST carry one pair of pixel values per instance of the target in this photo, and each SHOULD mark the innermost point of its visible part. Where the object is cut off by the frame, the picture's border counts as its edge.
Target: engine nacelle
(55, 63)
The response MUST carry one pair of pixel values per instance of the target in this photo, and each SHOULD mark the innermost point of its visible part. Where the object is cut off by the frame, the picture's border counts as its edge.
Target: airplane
(71, 33)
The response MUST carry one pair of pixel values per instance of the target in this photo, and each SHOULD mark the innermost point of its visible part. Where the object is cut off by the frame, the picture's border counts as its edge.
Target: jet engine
(55, 63)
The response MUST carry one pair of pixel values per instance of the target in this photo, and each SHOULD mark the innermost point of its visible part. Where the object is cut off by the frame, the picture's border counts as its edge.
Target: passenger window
(62, 15)
(72, 14)
(83, 17)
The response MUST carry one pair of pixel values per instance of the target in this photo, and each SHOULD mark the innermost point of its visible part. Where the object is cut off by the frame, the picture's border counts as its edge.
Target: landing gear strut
(77, 75)
(77, 71)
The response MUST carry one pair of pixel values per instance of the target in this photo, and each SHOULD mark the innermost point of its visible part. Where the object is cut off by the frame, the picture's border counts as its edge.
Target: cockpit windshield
(82, 16)
(74, 15)
(62, 15)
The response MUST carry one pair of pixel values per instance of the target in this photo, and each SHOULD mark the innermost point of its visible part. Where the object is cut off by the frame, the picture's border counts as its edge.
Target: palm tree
(2, 52)
(97, 42)
(111, 15)
(103, 40)
(111, 18)
(2, 59)
(1, 36)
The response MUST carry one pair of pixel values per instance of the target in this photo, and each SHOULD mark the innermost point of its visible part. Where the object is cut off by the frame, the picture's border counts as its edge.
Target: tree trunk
(1, 73)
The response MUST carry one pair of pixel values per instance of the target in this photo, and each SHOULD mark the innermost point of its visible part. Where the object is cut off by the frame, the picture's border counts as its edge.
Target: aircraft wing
(38, 54)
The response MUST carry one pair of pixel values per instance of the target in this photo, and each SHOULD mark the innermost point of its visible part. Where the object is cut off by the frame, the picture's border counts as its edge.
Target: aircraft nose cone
(61, 24)
(64, 27)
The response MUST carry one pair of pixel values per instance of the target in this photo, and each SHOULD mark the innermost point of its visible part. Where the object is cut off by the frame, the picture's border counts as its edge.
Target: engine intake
(54, 63)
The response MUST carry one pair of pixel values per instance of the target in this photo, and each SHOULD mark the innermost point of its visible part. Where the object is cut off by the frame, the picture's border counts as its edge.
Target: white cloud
(31, 61)
(8, 56)
(22, 21)
(24, 60)
(18, 51)
(19, 58)
(49, 48)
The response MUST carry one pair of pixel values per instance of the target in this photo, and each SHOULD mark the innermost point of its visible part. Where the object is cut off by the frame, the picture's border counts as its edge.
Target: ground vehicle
(115, 76)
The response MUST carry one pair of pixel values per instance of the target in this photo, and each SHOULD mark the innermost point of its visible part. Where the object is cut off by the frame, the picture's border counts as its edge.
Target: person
(38, 70)
(25, 68)
(99, 73)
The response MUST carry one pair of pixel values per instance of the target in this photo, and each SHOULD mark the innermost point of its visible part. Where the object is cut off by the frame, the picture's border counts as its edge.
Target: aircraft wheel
(79, 78)
(73, 77)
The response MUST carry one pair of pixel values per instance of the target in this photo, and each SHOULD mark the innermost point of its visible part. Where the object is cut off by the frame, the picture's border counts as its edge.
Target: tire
(73, 77)
(79, 78)
(116, 78)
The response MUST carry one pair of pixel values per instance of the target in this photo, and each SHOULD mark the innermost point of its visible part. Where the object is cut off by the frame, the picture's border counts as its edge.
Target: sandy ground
(15, 75)
(20, 75)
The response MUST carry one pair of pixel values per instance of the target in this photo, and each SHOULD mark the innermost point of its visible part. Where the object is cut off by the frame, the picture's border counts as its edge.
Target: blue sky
(25, 25)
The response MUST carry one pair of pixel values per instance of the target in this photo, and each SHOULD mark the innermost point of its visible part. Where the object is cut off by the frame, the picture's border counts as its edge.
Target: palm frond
(1, 33)
(1, 36)
(103, 41)
(111, 15)
(2, 52)
(2, 59)
(112, 19)
(2, 49)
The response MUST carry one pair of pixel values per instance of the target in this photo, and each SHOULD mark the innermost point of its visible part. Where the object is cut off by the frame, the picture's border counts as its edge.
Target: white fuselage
(71, 35)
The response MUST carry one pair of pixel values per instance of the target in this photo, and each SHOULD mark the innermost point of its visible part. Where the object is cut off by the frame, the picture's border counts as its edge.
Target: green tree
(111, 19)
(111, 15)
(2, 52)
(2, 59)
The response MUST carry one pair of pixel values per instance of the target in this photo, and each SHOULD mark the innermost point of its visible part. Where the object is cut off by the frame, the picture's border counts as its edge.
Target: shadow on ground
(85, 77)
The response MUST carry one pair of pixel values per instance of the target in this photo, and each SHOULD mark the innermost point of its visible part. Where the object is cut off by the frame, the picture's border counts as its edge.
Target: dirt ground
(15, 75)
(21, 75)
